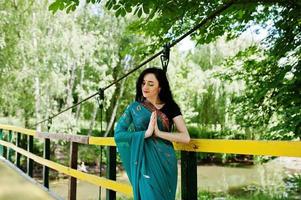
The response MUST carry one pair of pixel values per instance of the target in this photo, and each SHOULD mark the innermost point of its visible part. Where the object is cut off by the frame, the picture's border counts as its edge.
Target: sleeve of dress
(129, 145)
(175, 110)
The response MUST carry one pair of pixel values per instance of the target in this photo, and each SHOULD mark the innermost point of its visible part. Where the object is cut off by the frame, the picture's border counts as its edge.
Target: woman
(144, 140)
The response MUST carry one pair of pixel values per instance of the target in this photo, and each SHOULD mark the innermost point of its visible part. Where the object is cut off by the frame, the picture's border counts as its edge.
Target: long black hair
(165, 94)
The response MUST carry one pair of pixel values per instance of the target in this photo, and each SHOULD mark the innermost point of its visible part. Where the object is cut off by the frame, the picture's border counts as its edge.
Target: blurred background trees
(236, 77)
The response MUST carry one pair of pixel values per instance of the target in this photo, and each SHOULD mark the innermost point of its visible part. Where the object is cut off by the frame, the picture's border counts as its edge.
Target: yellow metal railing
(99, 181)
(251, 147)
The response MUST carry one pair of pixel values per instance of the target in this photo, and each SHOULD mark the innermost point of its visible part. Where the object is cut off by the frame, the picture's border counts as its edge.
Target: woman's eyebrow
(148, 81)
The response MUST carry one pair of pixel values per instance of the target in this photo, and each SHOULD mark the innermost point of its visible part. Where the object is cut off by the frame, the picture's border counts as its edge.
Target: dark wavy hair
(165, 94)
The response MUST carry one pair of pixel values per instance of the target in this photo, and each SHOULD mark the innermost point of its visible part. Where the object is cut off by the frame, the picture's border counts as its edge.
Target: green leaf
(54, 6)
(140, 12)
(152, 14)
(123, 12)
(69, 8)
(145, 8)
(74, 7)
(128, 8)
(118, 12)
(116, 7)
(109, 5)
(136, 10)
(62, 6)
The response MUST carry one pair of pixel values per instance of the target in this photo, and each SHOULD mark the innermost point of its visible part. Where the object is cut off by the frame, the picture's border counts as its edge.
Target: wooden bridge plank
(61, 136)
(15, 184)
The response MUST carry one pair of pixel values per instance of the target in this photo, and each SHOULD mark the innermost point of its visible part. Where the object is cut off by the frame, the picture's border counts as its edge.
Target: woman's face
(150, 86)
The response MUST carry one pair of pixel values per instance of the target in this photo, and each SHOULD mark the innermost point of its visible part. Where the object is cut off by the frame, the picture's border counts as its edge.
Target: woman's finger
(152, 116)
(155, 118)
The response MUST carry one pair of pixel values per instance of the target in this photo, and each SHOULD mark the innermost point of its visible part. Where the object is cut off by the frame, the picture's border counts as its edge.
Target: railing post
(18, 155)
(73, 165)
(100, 171)
(111, 171)
(8, 155)
(189, 175)
(30, 161)
(46, 155)
(1, 138)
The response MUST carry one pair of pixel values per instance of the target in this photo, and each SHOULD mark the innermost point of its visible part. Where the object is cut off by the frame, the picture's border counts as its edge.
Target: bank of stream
(213, 178)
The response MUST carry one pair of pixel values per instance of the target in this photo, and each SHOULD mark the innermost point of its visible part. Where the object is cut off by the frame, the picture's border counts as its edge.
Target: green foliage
(51, 61)
(272, 75)
(219, 195)
(250, 192)
(69, 5)
(64, 58)
(270, 70)
(125, 198)
(205, 133)
(89, 155)
(293, 185)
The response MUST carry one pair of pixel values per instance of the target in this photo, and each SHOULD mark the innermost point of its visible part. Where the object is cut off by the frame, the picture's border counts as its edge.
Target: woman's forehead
(150, 77)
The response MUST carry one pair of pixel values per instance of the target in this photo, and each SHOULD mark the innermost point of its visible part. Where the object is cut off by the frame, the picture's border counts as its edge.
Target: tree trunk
(82, 73)
(70, 83)
(38, 103)
(48, 107)
(37, 81)
(69, 98)
(210, 55)
(114, 112)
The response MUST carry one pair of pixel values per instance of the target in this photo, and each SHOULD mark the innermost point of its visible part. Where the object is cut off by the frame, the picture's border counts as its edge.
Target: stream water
(210, 178)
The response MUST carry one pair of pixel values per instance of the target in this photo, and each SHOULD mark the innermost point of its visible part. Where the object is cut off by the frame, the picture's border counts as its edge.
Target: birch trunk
(70, 83)
(37, 81)
(114, 112)
(82, 73)
(38, 103)
(69, 98)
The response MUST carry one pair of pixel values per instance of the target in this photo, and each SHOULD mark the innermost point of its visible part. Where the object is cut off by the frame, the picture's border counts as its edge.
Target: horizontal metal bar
(249, 147)
(99, 181)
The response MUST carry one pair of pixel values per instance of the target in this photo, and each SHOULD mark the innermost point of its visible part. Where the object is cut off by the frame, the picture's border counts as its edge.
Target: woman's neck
(154, 101)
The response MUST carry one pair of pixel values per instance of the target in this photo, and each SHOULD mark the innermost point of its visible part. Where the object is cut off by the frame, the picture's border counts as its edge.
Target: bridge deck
(14, 186)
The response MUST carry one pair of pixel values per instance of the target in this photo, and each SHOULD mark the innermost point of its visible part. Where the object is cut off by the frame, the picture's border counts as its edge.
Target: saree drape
(150, 163)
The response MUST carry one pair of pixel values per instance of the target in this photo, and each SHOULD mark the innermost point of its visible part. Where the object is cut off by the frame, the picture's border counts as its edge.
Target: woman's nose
(144, 87)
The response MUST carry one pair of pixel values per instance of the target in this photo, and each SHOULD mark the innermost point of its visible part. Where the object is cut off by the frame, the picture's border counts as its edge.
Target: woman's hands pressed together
(181, 136)
(152, 126)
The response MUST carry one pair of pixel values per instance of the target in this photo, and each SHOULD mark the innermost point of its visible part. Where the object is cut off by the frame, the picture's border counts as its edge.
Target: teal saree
(150, 163)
